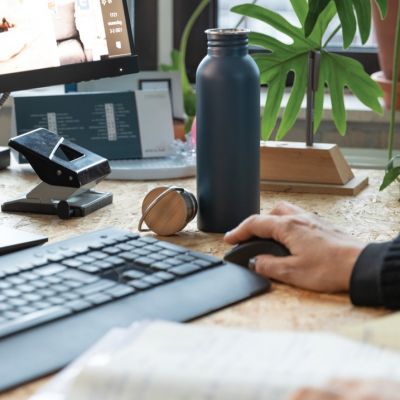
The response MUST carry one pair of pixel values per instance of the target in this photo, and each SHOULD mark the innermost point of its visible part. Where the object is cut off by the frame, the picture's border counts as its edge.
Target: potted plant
(363, 11)
(314, 18)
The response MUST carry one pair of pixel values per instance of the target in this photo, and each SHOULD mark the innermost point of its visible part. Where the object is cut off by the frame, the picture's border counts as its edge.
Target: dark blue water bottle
(228, 132)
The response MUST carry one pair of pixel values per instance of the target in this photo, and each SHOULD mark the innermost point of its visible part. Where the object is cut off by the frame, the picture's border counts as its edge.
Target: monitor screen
(49, 42)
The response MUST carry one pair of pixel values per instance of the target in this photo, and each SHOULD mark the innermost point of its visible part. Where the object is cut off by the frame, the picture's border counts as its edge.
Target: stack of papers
(169, 361)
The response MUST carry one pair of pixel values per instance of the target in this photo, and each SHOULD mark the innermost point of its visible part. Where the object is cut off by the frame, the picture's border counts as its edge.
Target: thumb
(278, 268)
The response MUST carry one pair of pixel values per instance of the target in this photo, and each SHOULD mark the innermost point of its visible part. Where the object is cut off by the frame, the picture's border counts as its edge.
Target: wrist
(349, 256)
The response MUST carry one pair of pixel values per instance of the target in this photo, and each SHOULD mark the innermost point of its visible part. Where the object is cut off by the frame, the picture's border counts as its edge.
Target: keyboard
(56, 300)
(152, 168)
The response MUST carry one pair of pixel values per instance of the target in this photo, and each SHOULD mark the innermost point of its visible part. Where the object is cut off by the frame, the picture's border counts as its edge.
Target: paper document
(168, 361)
(383, 332)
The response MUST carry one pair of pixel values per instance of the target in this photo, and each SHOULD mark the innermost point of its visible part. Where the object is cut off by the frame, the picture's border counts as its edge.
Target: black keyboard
(128, 276)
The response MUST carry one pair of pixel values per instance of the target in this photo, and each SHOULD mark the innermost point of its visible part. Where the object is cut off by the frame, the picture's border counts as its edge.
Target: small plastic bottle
(228, 132)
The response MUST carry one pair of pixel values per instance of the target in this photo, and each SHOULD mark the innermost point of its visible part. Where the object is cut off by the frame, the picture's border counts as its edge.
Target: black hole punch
(67, 153)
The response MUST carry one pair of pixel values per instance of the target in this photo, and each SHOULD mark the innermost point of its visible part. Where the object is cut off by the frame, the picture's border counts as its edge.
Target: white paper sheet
(167, 361)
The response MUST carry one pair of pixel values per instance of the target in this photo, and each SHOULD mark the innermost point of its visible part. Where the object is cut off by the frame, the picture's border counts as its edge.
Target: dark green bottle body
(228, 132)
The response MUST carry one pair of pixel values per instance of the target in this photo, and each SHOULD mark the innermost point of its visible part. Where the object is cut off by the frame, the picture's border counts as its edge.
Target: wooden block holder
(296, 167)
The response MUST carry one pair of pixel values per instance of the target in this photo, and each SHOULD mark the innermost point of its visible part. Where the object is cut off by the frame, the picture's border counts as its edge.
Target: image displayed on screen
(36, 34)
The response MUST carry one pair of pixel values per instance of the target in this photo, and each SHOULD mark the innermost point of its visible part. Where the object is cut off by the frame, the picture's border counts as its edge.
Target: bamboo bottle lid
(167, 210)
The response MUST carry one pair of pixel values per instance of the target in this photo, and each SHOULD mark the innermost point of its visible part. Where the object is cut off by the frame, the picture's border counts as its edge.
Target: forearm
(375, 279)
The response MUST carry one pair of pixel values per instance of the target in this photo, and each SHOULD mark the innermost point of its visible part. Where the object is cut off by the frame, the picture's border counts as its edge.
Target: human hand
(351, 390)
(322, 257)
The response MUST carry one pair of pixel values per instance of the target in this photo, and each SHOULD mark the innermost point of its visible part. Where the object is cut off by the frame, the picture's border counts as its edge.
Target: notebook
(13, 240)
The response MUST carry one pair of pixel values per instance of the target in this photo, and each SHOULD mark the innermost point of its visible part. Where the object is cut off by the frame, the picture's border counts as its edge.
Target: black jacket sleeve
(375, 280)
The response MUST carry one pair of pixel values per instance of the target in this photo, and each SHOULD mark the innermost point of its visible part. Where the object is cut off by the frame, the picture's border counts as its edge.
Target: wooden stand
(296, 167)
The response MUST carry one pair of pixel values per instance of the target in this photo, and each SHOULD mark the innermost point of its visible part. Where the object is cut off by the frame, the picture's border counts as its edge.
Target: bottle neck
(227, 42)
(233, 51)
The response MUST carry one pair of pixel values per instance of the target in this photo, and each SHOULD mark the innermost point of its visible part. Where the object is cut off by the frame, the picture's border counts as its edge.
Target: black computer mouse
(243, 252)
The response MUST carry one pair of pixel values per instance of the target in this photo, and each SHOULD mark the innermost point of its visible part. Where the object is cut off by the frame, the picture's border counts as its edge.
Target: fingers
(285, 208)
(281, 269)
(256, 225)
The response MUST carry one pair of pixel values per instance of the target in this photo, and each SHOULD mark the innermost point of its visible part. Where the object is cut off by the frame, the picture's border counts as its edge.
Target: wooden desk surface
(370, 216)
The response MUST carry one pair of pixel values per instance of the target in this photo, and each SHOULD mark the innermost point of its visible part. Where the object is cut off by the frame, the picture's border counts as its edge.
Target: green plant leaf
(364, 15)
(337, 72)
(273, 19)
(390, 176)
(315, 9)
(347, 11)
(348, 21)
(352, 76)
(382, 5)
(175, 60)
(300, 8)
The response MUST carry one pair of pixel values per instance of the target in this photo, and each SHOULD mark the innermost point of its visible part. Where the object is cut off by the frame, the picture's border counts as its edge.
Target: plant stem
(395, 76)
(185, 38)
(337, 29)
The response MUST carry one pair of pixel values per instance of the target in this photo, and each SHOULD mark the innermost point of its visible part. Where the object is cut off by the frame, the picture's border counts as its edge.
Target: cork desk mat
(372, 215)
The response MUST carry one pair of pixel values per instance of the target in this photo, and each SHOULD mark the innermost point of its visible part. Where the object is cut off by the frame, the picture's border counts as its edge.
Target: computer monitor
(50, 42)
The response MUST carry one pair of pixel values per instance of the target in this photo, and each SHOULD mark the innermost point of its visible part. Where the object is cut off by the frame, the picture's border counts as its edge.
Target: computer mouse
(243, 252)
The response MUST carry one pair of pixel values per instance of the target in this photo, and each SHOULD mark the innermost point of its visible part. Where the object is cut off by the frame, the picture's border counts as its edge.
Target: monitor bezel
(71, 73)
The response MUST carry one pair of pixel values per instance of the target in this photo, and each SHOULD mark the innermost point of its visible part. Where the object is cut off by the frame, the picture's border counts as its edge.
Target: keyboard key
(45, 292)
(98, 255)
(138, 284)
(55, 258)
(131, 236)
(120, 291)
(141, 252)
(206, 257)
(96, 246)
(148, 239)
(136, 243)
(203, 264)
(152, 248)
(15, 280)
(40, 284)
(157, 256)
(92, 269)
(70, 296)
(60, 288)
(26, 288)
(173, 247)
(111, 250)
(152, 279)
(5, 285)
(133, 274)
(17, 302)
(40, 305)
(11, 270)
(144, 261)
(169, 253)
(30, 320)
(96, 287)
(78, 305)
(185, 258)
(124, 247)
(55, 300)
(161, 265)
(26, 309)
(72, 262)
(115, 261)
(29, 276)
(184, 269)
(50, 269)
(4, 307)
(165, 276)
(174, 262)
(102, 264)
(129, 256)
(85, 259)
(98, 298)
(109, 242)
(11, 293)
(73, 284)
(53, 279)
(82, 277)
(11, 314)
(32, 296)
